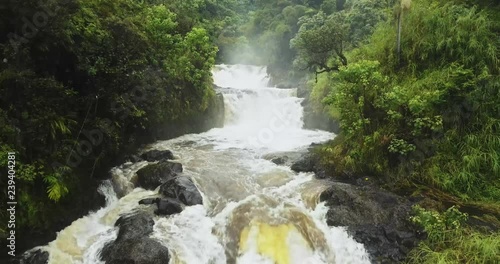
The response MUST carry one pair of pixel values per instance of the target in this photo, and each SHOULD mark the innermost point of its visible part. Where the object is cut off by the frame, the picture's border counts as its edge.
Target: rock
(154, 175)
(135, 225)
(183, 189)
(149, 201)
(133, 158)
(307, 163)
(314, 120)
(168, 206)
(133, 244)
(376, 218)
(215, 112)
(212, 116)
(35, 257)
(299, 161)
(165, 206)
(157, 155)
(284, 158)
(278, 160)
(142, 250)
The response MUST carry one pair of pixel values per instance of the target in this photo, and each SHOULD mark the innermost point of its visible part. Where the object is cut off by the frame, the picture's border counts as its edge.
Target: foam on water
(254, 211)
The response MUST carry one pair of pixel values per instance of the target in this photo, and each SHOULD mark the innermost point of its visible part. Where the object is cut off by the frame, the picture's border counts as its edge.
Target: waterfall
(254, 211)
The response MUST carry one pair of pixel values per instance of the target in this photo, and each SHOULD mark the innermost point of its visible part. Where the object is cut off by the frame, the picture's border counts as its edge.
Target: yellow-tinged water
(271, 241)
(253, 212)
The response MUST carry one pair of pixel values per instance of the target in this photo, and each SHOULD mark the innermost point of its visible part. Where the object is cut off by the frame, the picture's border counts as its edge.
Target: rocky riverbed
(373, 216)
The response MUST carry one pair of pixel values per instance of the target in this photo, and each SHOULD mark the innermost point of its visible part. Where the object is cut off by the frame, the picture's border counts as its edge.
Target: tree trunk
(400, 25)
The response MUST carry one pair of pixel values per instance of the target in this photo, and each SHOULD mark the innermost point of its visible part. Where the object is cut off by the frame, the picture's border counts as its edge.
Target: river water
(254, 211)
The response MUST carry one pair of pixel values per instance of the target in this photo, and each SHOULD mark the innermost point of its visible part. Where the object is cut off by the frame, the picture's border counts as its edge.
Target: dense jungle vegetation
(415, 86)
(84, 81)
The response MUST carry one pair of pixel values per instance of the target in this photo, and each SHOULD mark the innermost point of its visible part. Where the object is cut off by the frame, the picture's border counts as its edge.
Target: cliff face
(212, 117)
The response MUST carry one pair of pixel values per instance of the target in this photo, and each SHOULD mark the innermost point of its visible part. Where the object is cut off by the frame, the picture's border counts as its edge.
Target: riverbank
(87, 198)
(401, 224)
(247, 200)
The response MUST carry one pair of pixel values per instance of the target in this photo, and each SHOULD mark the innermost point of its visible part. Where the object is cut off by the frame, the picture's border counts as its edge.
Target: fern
(56, 188)
(60, 126)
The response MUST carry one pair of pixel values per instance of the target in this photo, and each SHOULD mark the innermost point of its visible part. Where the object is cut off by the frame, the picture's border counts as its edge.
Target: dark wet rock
(314, 120)
(309, 162)
(149, 201)
(164, 206)
(154, 175)
(284, 158)
(278, 160)
(299, 161)
(183, 189)
(35, 257)
(133, 244)
(143, 250)
(157, 155)
(168, 206)
(135, 225)
(376, 218)
(133, 158)
(215, 112)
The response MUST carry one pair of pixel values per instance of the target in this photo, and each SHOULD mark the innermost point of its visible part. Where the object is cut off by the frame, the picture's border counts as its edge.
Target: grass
(450, 240)
(461, 246)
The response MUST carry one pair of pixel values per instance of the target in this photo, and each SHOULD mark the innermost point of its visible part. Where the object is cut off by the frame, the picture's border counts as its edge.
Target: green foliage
(321, 88)
(261, 33)
(124, 68)
(449, 241)
(319, 41)
(362, 17)
(437, 34)
(425, 115)
(400, 146)
(436, 225)
(294, 35)
(431, 117)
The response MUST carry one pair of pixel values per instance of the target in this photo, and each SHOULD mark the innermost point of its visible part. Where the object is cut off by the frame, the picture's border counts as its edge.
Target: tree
(405, 5)
(320, 43)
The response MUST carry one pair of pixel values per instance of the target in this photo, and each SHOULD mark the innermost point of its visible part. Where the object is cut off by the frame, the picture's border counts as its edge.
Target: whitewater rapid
(254, 211)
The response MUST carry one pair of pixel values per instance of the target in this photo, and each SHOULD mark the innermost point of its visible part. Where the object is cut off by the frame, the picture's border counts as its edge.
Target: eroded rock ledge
(133, 244)
(176, 191)
(374, 217)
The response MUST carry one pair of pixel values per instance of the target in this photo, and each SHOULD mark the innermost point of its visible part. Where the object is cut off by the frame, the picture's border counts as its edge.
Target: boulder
(306, 163)
(157, 155)
(143, 250)
(135, 225)
(279, 160)
(183, 189)
(133, 158)
(376, 218)
(133, 244)
(309, 162)
(154, 175)
(164, 206)
(315, 120)
(149, 201)
(35, 257)
(168, 206)
(284, 158)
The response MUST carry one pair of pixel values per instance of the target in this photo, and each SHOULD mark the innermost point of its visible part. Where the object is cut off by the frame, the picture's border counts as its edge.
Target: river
(254, 211)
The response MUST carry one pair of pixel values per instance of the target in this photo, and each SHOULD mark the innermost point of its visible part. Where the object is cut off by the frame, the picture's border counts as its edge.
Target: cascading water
(254, 211)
